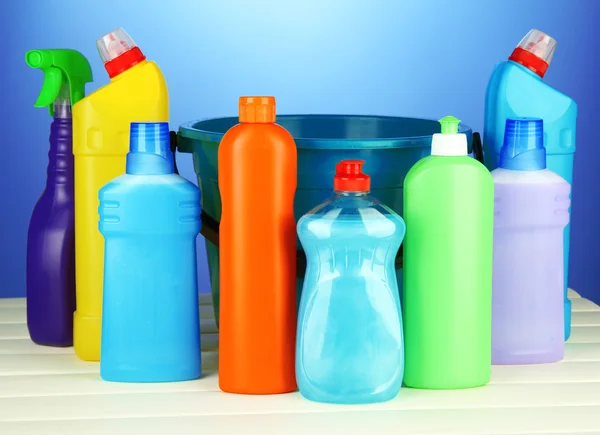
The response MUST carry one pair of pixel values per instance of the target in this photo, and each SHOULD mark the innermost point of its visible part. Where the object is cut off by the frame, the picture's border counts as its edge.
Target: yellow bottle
(137, 93)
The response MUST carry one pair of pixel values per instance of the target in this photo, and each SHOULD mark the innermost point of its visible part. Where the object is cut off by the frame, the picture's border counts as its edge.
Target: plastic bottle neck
(525, 69)
(125, 72)
(530, 61)
(60, 155)
(62, 111)
(530, 160)
(523, 148)
(62, 103)
(351, 194)
(150, 152)
(124, 62)
(148, 164)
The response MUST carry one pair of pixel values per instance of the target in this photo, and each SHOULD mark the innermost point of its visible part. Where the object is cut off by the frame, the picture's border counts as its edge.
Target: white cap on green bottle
(449, 142)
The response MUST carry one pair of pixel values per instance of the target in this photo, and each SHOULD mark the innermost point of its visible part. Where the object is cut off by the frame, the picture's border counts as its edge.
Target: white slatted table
(49, 391)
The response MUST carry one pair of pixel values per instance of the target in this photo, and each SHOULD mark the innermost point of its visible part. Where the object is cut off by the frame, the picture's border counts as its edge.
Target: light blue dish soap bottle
(349, 346)
(516, 90)
(150, 219)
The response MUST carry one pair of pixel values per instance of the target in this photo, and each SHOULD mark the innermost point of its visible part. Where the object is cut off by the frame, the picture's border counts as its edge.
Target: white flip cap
(449, 144)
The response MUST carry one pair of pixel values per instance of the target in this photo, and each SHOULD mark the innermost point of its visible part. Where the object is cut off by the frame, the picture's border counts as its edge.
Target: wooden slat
(12, 302)
(585, 334)
(13, 330)
(15, 365)
(19, 330)
(205, 299)
(558, 373)
(582, 352)
(24, 346)
(91, 383)
(582, 364)
(580, 304)
(168, 404)
(566, 420)
(18, 365)
(12, 315)
(585, 318)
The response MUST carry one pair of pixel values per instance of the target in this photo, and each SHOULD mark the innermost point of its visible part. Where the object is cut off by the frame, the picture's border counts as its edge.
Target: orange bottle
(257, 243)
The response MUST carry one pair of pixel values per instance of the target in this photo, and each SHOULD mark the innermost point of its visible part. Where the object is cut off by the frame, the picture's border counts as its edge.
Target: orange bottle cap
(257, 109)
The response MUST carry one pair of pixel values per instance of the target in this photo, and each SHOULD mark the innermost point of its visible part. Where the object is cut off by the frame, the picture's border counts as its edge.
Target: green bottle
(447, 272)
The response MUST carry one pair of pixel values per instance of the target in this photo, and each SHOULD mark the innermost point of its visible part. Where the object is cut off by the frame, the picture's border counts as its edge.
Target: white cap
(114, 44)
(443, 144)
(449, 142)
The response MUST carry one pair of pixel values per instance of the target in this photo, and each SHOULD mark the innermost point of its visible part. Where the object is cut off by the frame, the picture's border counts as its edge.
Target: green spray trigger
(60, 67)
(449, 124)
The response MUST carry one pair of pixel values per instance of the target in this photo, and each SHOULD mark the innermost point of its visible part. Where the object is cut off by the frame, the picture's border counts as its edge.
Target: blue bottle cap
(149, 149)
(523, 148)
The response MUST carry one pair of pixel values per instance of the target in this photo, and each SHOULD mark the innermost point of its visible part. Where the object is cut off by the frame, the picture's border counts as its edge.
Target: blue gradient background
(419, 58)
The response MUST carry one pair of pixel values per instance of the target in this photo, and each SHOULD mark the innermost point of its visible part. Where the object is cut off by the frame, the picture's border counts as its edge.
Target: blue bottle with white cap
(150, 218)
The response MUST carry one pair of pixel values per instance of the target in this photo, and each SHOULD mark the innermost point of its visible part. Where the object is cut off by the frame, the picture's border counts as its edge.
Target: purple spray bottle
(51, 236)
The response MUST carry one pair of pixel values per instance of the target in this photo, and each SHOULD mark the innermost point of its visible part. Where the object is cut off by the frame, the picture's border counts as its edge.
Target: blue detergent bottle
(349, 346)
(516, 90)
(150, 218)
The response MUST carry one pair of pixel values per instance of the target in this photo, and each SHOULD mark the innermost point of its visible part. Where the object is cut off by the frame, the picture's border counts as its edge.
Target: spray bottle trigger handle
(53, 79)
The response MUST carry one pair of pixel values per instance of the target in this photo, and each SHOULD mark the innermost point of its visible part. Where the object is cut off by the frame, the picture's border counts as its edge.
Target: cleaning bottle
(449, 215)
(257, 253)
(531, 212)
(51, 236)
(137, 93)
(150, 219)
(515, 90)
(349, 347)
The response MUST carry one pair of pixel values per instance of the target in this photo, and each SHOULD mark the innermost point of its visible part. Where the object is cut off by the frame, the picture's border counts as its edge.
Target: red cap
(349, 177)
(529, 60)
(535, 51)
(118, 52)
(124, 62)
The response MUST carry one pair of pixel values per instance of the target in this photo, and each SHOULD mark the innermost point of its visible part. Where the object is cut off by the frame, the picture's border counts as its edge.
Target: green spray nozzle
(60, 67)
(449, 124)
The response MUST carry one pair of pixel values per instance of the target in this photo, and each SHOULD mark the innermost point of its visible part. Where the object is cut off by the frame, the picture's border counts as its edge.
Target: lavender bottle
(531, 212)
(51, 240)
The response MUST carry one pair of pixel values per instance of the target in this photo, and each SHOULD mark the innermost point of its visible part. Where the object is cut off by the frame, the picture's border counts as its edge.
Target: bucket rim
(187, 130)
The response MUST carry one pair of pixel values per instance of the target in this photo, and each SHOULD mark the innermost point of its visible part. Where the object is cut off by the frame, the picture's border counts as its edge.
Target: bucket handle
(210, 228)
(173, 146)
(477, 148)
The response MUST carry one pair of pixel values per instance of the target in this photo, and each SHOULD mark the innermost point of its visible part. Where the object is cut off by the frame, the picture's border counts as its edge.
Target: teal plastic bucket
(388, 145)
